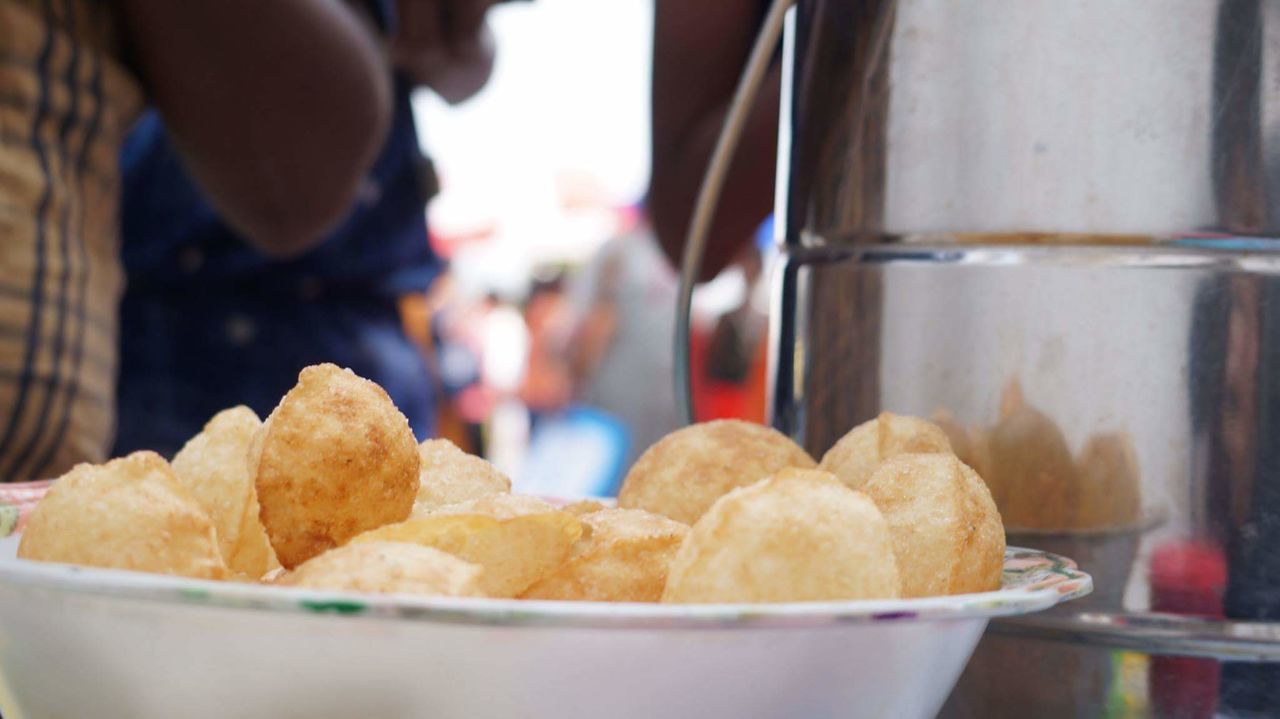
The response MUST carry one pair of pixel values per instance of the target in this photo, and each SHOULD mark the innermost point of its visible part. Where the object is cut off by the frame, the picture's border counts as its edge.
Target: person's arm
(693, 84)
(277, 108)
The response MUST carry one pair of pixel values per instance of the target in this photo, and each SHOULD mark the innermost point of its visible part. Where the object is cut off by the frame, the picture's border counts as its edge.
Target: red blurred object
(1189, 578)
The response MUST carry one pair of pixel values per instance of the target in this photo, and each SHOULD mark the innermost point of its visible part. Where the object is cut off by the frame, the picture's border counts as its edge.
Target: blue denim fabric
(207, 322)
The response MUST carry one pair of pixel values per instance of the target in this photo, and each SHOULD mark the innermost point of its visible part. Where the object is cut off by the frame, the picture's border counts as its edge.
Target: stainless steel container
(1046, 224)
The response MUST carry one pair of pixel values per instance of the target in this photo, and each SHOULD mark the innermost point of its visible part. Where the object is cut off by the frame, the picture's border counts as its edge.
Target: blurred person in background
(547, 385)
(210, 321)
(74, 75)
(620, 355)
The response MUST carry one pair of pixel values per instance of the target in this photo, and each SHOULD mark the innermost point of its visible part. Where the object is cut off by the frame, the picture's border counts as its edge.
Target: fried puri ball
(498, 506)
(448, 476)
(684, 473)
(802, 537)
(584, 506)
(387, 568)
(130, 513)
(855, 456)
(947, 535)
(623, 557)
(1109, 482)
(334, 459)
(214, 467)
(514, 551)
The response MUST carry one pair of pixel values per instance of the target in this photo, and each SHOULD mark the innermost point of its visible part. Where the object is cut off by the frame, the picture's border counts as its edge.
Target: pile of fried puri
(333, 492)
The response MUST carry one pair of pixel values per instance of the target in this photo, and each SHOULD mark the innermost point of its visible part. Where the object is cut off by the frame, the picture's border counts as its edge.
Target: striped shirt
(65, 103)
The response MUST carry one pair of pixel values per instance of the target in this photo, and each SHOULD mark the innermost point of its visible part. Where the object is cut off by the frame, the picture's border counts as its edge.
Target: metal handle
(709, 195)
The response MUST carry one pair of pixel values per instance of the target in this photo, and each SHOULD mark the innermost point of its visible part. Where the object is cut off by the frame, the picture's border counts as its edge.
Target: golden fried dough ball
(685, 472)
(448, 476)
(387, 568)
(214, 467)
(857, 454)
(334, 459)
(584, 506)
(1109, 482)
(789, 539)
(498, 506)
(130, 513)
(947, 535)
(624, 557)
(514, 551)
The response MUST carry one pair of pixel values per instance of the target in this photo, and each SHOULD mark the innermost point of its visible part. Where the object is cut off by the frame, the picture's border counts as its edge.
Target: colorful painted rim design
(1032, 581)
(16, 501)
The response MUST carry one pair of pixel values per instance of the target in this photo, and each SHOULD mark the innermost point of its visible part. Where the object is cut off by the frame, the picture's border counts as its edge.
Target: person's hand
(445, 44)
(431, 26)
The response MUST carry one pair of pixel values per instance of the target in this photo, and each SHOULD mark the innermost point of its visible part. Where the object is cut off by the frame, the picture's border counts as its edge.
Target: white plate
(78, 642)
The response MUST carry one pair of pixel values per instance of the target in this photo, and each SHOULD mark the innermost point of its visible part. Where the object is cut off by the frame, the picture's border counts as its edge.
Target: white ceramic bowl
(78, 642)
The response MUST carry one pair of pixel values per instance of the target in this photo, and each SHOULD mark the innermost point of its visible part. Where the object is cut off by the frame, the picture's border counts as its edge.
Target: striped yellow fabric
(65, 103)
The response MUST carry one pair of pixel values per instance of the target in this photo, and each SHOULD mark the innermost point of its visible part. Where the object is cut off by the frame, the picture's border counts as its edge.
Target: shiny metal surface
(1048, 225)
(1129, 117)
(1155, 633)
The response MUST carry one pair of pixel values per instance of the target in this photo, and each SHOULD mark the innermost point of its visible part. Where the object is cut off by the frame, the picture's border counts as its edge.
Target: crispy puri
(448, 476)
(684, 473)
(947, 535)
(387, 568)
(514, 551)
(855, 456)
(789, 539)
(498, 506)
(130, 513)
(214, 467)
(623, 558)
(584, 506)
(334, 459)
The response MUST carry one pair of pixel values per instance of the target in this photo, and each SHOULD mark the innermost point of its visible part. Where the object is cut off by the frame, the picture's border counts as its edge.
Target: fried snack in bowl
(214, 467)
(498, 506)
(855, 456)
(624, 557)
(130, 513)
(448, 475)
(515, 551)
(947, 534)
(584, 506)
(334, 459)
(684, 473)
(388, 568)
(801, 537)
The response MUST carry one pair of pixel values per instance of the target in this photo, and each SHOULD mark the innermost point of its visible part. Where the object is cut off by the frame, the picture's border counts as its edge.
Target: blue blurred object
(764, 236)
(1228, 243)
(579, 452)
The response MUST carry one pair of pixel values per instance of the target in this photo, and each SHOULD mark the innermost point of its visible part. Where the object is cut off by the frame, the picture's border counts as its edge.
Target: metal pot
(1047, 225)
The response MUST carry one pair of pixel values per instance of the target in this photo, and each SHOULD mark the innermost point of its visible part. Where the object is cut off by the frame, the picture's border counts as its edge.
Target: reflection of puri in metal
(1085, 507)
